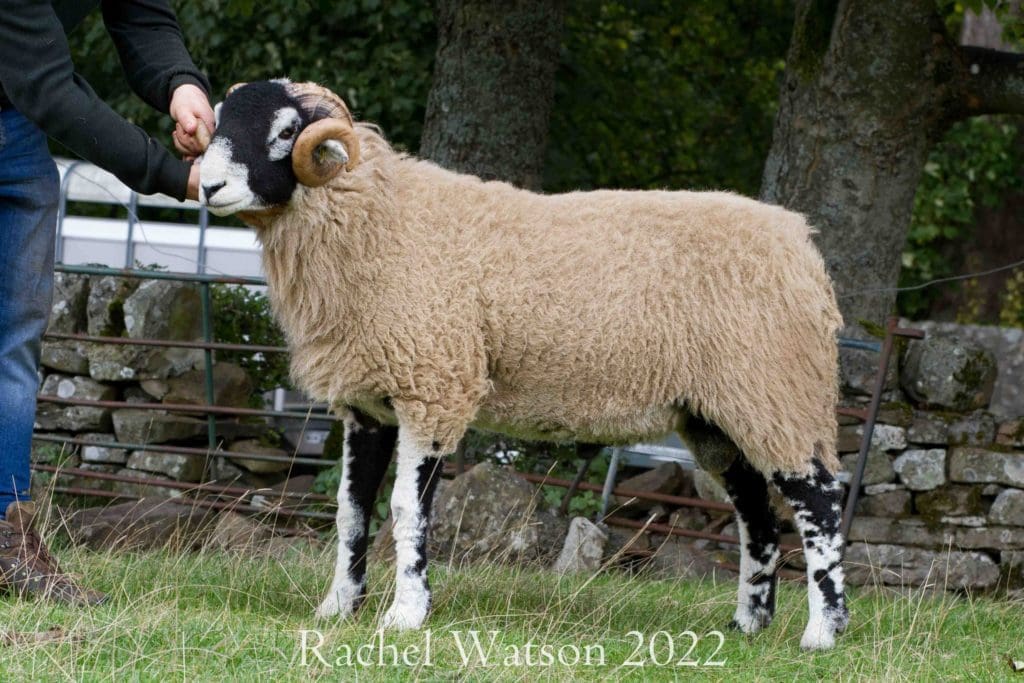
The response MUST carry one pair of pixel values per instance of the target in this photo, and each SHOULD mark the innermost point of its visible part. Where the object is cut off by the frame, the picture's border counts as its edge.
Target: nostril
(210, 190)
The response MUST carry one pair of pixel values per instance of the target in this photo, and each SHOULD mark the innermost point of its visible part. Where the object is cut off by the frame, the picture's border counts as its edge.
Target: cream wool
(592, 316)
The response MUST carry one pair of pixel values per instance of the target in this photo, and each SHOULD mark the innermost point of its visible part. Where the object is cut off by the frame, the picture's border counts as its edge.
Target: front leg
(419, 470)
(366, 454)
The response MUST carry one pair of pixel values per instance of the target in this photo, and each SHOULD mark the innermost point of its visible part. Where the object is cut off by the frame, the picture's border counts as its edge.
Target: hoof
(403, 617)
(338, 603)
(750, 622)
(818, 637)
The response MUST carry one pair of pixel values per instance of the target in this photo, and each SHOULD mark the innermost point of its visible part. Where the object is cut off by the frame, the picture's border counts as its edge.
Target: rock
(912, 531)
(52, 453)
(490, 512)
(175, 465)
(928, 429)
(68, 309)
(888, 438)
(1011, 566)
(688, 518)
(665, 478)
(254, 447)
(133, 394)
(896, 565)
(980, 466)
(858, 369)
(133, 489)
(922, 470)
(849, 439)
(102, 454)
(677, 559)
(158, 309)
(231, 387)
(1011, 433)
(896, 414)
(583, 548)
(709, 488)
(964, 520)
(105, 305)
(976, 429)
(894, 503)
(234, 531)
(875, 489)
(65, 356)
(87, 482)
(878, 469)
(1008, 508)
(272, 497)
(950, 500)
(76, 418)
(140, 525)
(949, 372)
(627, 542)
(992, 490)
(150, 426)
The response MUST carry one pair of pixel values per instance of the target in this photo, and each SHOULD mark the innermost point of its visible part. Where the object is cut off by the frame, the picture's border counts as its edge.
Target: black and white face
(248, 165)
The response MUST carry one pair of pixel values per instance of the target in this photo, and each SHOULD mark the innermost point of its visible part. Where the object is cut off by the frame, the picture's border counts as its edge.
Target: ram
(420, 302)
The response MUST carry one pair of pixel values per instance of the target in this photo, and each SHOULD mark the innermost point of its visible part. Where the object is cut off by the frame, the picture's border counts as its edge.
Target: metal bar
(182, 450)
(626, 493)
(205, 487)
(858, 413)
(183, 408)
(609, 481)
(204, 223)
(861, 344)
(163, 275)
(581, 471)
(75, 491)
(869, 426)
(62, 211)
(126, 341)
(668, 529)
(211, 420)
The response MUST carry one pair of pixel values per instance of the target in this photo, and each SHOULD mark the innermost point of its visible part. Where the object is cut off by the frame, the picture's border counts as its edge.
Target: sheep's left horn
(235, 87)
(308, 156)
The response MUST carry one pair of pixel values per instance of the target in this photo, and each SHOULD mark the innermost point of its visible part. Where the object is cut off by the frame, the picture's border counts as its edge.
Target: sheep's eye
(287, 133)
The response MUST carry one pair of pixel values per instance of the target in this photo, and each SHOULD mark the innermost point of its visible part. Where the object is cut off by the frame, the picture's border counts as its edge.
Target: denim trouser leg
(29, 190)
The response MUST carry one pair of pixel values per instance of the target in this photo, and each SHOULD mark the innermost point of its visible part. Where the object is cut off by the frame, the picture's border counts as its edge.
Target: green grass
(214, 616)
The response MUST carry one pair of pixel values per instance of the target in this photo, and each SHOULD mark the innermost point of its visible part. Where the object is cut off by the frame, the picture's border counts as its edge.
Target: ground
(214, 616)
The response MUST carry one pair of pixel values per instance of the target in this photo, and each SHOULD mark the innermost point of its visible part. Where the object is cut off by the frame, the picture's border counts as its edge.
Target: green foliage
(242, 316)
(664, 94)
(978, 163)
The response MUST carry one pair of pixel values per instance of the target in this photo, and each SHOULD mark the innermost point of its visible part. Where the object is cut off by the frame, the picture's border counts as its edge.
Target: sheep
(420, 302)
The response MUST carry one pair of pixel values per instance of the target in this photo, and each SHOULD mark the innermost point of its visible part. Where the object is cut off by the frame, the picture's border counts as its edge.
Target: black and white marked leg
(816, 500)
(415, 482)
(366, 454)
(759, 545)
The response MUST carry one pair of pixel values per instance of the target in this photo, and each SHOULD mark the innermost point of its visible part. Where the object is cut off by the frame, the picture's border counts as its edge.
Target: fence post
(211, 420)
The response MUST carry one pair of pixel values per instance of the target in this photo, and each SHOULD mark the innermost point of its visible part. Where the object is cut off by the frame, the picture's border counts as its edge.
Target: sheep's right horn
(235, 87)
(309, 161)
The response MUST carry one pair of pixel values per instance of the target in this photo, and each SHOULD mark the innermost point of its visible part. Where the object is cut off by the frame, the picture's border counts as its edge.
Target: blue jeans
(29, 191)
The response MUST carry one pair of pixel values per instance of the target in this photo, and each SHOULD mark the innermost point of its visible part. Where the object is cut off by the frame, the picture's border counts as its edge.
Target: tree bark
(493, 88)
(869, 87)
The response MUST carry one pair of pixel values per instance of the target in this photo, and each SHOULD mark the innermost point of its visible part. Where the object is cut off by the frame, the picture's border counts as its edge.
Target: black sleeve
(39, 79)
(151, 48)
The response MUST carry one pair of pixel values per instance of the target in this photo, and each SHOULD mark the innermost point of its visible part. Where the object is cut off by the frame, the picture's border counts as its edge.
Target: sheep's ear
(216, 113)
(332, 151)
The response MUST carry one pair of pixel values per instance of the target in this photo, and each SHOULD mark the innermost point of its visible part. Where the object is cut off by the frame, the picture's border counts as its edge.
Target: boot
(28, 568)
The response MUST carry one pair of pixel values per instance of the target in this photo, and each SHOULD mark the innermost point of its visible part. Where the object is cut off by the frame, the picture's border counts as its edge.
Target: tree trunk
(494, 77)
(869, 87)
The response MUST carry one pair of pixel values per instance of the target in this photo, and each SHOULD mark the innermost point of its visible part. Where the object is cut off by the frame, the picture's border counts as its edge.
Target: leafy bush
(242, 316)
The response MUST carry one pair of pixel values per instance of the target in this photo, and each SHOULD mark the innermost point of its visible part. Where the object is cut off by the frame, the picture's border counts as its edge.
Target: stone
(888, 438)
(71, 417)
(949, 372)
(894, 503)
(928, 429)
(231, 387)
(709, 488)
(68, 307)
(965, 520)
(688, 518)
(975, 429)
(950, 500)
(155, 388)
(913, 531)
(674, 558)
(665, 478)
(980, 466)
(86, 482)
(138, 489)
(991, 490)
(878, 469)
(900, 566)
(875, 489)
(1011, 433)
(896, 414)
(922, 470)
(272, 497)
(66, 356)
(858, 369)
(234, 531)
(105, 305)
(178, 466)
(51, 452)
(583, 549)
(1008, 508)
(150, 426)
(849, 439)
(140, 525)
(157, 309)
(489, 512)
(1011, 566)
(102, 454)
(254, 447)
(622, 541)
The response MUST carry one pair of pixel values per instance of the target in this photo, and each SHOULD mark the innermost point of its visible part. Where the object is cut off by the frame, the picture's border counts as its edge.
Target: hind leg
(755, 520)
(816, 500)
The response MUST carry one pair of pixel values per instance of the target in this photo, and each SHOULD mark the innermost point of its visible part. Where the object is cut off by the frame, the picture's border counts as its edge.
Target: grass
(216, 616)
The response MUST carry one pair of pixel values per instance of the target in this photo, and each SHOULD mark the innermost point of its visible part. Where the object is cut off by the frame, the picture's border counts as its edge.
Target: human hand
(190, 109)
(193, 183)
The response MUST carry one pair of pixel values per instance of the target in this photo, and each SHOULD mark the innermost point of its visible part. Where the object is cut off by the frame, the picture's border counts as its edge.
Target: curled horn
(233, 88)
(331, 121)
